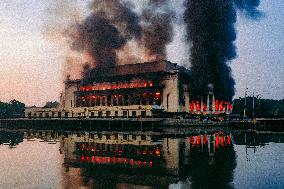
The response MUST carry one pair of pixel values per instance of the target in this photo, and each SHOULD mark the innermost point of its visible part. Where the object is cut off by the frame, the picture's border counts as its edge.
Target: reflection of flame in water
(128, 159)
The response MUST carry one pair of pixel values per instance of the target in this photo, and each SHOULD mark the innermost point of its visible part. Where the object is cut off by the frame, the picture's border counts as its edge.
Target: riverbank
(147, 124)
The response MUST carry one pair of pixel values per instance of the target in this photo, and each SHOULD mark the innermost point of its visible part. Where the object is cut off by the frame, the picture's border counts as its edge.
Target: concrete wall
(88, 112)
(170, 94)
(69, 96)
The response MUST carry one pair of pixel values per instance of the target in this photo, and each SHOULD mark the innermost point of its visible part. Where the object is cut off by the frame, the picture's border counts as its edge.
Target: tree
(262, 107)
(51, 104)
(13, 109)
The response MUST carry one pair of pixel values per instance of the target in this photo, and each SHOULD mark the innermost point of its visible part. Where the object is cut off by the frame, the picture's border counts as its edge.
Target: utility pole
(253, 106)
(245, 103)
(259, 106)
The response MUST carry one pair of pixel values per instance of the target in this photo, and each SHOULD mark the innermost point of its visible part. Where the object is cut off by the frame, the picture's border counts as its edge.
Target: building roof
(125, 72)
(135, 69)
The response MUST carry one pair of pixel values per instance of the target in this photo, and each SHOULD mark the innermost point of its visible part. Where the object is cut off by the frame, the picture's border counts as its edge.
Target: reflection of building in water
(125, 160)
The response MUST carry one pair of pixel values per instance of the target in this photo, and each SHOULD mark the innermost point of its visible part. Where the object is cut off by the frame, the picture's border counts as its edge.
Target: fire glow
(115, 160)
(218, 106)
(219, 140)
(114, 86)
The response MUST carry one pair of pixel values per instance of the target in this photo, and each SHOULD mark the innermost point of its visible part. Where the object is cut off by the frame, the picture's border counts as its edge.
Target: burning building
(133, 90)
(112, 86)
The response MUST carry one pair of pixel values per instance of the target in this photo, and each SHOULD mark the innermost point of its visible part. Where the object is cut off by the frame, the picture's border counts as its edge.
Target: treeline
(12, 109)
(262, 107)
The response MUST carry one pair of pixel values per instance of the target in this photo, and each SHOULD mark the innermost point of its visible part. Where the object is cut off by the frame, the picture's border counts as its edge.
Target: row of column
(210, 106)
(120, 100)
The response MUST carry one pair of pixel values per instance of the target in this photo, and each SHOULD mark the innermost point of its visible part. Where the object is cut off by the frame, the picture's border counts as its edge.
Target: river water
(51, 160)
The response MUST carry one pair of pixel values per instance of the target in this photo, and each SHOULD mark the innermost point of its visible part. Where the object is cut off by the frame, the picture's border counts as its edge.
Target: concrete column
(186, 99)
(208, 104)
(90, 102)
(209, 143)
(111, 100)
(227, 108)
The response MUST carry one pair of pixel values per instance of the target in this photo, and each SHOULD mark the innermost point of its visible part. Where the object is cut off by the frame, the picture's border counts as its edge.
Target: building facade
(133, 90)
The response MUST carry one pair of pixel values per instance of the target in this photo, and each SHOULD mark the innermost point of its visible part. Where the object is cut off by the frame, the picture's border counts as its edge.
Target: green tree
(51, 104)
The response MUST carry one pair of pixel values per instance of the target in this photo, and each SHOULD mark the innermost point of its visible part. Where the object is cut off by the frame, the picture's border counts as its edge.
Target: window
(59, 114)
(143, 113)
(114, 100)
(125, 100)
(107, 113)
(92, 136)
(100, 136)
(124, 113)
(137, 99)
(124, 137)
(66, 114)
(103, 101)
(93, 101)
(120, 100)
(116, 113)
(98, 101)
(144, 98)
(100, 113)
(92, 114)
(133, 113)
(131, 99)
(151, 98)
(108, 100)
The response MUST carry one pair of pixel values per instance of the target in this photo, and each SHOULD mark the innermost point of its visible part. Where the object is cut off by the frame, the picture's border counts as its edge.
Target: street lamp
(245, 103)
(253, 105)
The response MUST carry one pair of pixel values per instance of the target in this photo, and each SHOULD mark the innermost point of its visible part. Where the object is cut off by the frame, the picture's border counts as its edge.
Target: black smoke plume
(99, 38)
(120, 13)
(249, 8)
(106, 30)
(211, 34)
(157, 27)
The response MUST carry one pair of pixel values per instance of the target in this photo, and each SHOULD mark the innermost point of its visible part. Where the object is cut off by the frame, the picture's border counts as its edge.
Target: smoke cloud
(157, 27)
(99, 38)
(211, 34)
(115, 32)
(111, 24)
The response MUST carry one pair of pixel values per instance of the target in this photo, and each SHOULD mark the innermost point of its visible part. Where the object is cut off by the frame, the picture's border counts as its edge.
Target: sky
(31, 66)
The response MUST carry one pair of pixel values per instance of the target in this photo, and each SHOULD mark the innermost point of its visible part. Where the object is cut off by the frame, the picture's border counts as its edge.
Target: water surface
(48, 159)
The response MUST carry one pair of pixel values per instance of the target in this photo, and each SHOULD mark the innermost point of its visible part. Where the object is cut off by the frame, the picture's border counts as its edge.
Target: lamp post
(258, 109)
(253, 105)
(259, 106)
(245, 103)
